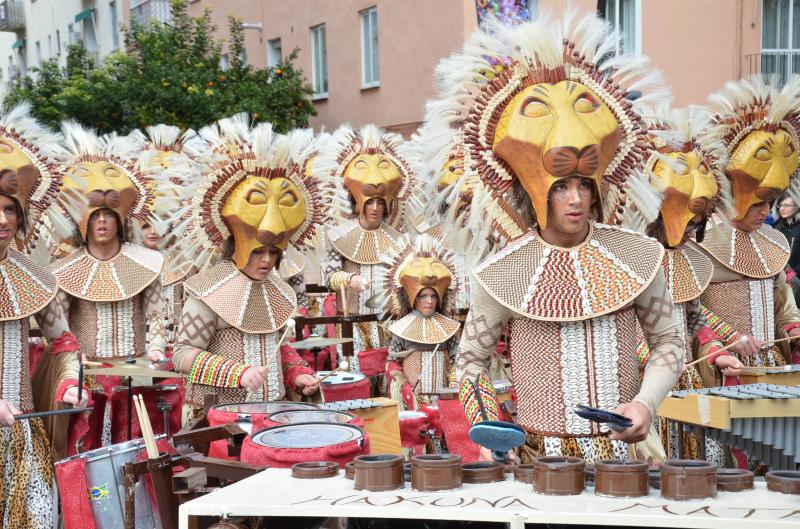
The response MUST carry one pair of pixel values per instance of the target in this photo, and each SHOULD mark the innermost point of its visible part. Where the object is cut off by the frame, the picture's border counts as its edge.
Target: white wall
(48, 21)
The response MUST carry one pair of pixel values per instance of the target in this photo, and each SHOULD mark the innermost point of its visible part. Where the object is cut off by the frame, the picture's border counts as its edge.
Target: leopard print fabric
(27, 486)
(590, 449)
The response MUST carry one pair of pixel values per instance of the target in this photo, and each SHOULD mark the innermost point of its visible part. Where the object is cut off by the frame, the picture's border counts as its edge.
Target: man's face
(755, 217)
(9, 221)
(569, 203)
(103, 226)
(261, 262)
(374, 210)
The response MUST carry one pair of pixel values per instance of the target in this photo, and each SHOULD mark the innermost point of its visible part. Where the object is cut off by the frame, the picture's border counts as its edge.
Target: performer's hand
(156, 356)
(308, 384)
(7, 412)
(71, 397)
(358, 283)
(747, 345)
(254, 378)
(729, 365)
(639, 416)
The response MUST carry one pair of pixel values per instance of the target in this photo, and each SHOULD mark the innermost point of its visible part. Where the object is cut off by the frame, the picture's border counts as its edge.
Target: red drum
(311, 416)
(412, 425)
(249, 416)
(434, 420)
(158, 400)
(372, 362)
(344, 386)
(283, 446)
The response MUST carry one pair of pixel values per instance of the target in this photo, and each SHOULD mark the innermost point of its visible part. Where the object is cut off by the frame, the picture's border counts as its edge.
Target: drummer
(26, 490)
(367, 178)
(235, 317)
(424, 340)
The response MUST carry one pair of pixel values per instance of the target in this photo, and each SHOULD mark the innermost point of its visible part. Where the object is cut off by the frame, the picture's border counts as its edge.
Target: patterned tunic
(572, 314)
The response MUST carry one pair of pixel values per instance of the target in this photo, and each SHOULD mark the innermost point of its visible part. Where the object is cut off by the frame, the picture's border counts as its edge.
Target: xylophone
(761, 419)
(381, 421)
(788, 375)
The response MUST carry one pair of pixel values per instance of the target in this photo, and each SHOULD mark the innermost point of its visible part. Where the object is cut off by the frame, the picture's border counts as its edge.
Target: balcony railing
(148, 10)
(12, 15)
(781, 63)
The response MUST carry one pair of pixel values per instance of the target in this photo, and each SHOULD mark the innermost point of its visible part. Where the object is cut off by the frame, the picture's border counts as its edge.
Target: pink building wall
(698, 44)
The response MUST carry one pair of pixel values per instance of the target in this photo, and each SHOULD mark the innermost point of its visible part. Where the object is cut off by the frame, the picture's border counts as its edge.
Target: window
(370, 71)
(114, 23)
(624, 16)
(58, 41)
(49, 46)
(319, 62)
(224, 63)
(780, 38)
(72, 36)
(273, 53)
(38, 51)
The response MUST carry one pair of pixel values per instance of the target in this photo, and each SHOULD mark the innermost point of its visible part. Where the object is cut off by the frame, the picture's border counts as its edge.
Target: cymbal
(132, 370)
(374, 302)
(318, 342)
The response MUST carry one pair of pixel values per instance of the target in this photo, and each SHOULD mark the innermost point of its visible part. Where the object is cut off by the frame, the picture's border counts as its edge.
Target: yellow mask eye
(360, 164)
(112, 173)
(385, 164)
(533, 108)
(585, 104)
(762, 154)
(288, 199)
(256, 198)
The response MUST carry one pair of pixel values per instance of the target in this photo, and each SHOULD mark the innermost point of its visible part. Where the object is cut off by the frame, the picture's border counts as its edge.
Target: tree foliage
(167, 73)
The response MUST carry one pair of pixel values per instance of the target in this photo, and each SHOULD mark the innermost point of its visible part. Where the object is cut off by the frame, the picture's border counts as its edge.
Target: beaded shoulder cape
(26, 287)
(687, 271)
(363, 246)
(758, 254)
(543, 282)
(253, 307)
(122, 277)
(433, 330)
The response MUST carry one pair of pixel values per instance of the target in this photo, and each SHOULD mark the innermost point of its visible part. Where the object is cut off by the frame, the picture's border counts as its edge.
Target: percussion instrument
(372, 362)
(246, 415)
(788, 375)
(132, 370)
(503, 388)
(763, 420)
(164, 405)
(318, 342)
(98, 473)
(380, 418)
(413, 425)
(283, 446)
(344, 386)
(306, 416)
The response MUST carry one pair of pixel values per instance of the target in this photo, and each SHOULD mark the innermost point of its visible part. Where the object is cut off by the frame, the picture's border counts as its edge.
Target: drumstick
(341, 367)
(345, 308)
(144, 425)
(766, 344)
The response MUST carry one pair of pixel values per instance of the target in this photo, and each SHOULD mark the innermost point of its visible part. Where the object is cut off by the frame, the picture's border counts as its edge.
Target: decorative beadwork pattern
(478, 398)
(363, 246)
(688, 272)
(602, 275)
(433, 330)
(574, 382)
(12, 361)
(125, 275)
(213, 370)
(759, 254)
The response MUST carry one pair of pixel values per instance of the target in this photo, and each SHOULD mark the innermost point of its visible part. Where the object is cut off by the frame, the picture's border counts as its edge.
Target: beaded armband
(722, 328)
(792, 325)
(479, 400)
(213, 370)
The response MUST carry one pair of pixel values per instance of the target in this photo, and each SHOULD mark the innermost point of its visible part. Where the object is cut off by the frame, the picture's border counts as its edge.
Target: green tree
(167, 73)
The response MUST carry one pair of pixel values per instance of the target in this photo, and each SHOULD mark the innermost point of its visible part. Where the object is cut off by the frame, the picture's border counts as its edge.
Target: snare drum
(160, 400)
(372, 362)
(283, 446)
(309, 416)
(97, 475)
(412, 425)
(344, 386)
(248, 416)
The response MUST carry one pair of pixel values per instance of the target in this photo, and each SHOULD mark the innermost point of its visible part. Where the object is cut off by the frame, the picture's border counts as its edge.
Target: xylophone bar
(775, 441)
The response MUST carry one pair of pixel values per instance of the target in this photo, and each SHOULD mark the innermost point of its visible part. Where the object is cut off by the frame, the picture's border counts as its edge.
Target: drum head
(308, 435)
(264, 408)
(341, 377)
(306, 416)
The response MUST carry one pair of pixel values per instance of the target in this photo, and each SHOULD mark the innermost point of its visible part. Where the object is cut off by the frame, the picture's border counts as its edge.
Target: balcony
(780, 63)
(12, 15)
(147, 10)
